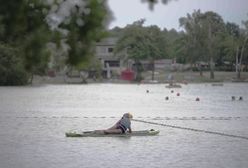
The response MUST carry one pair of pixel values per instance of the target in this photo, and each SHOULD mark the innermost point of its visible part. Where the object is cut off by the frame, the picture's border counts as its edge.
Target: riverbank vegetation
(206, 43)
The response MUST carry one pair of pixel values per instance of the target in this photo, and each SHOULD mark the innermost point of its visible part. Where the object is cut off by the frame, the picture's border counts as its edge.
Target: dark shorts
(123, 128)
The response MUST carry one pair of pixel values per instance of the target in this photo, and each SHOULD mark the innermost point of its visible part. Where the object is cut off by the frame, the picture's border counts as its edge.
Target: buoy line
(193, 129)
(210, 118)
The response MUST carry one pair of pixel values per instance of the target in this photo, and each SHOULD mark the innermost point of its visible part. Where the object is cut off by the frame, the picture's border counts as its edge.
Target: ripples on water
(33, 121)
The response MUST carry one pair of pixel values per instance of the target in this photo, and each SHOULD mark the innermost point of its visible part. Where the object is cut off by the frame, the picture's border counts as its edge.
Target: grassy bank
(160, 77)
(195, 77)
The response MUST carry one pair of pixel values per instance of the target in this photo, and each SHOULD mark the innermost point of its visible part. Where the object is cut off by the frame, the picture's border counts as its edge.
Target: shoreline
(159, 78)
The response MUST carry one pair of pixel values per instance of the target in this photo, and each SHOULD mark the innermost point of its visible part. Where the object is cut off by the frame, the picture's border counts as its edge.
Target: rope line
(139, 117)
(193, 129)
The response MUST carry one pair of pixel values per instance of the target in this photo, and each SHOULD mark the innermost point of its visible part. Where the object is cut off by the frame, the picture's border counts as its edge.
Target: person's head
(128, 115)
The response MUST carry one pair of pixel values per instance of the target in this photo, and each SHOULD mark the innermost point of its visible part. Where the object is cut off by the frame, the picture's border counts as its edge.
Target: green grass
(194, 77)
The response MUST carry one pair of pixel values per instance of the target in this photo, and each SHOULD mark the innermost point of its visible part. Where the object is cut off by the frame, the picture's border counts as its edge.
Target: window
(110, 50)
(112, 63)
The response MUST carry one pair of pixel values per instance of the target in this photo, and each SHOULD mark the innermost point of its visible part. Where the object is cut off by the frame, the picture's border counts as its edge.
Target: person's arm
(130, 130)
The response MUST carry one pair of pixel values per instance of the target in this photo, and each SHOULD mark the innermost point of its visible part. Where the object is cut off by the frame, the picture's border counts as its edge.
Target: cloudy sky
(166, 16)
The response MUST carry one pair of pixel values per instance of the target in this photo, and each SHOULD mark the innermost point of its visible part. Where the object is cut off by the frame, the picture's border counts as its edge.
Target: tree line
(205, 38)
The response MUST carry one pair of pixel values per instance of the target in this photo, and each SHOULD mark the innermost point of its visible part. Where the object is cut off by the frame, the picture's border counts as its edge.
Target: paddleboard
(150, 132)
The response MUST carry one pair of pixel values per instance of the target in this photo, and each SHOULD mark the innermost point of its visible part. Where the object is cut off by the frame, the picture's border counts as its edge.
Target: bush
(197, 69)
(11, 70)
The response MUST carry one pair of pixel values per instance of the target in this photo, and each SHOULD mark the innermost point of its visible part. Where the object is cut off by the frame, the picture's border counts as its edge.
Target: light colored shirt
(125, 122)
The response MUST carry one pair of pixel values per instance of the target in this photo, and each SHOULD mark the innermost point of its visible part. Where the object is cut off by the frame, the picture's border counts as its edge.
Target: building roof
(107, 41)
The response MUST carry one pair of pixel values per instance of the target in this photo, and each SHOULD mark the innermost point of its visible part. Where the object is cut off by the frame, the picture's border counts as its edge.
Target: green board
(99, 134)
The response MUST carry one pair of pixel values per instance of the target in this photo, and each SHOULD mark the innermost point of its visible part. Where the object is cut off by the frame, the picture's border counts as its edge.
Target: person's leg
(113, 131)
(114, 126)
(99, 131)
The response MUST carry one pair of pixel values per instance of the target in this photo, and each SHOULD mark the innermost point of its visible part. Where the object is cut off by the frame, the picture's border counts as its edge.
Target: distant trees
(243, 50)
(235, 47)
(206, 39)
(209, 38)
(203, 31)
(142, 43)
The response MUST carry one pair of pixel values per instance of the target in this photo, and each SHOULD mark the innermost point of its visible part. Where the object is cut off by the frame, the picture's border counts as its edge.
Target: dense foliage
(11, 70)
(84, 29)
(27, 26)
(23, 29)
(206, 39)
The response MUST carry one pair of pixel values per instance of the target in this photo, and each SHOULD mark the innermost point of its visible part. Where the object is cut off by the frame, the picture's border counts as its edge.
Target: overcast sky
(166, 16)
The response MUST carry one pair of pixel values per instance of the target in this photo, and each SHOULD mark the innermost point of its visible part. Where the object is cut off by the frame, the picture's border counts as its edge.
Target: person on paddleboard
(121, 126)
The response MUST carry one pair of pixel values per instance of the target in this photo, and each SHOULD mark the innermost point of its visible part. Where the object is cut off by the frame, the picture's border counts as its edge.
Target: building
(112, 63)
(163, 64)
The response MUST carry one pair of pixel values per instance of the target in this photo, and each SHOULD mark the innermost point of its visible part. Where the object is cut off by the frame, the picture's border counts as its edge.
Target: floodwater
(33, 122)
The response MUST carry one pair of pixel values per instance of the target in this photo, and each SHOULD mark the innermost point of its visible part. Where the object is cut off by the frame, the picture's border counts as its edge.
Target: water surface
(33, 121)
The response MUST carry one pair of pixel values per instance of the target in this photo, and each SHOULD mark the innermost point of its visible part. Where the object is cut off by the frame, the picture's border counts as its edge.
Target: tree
(23, 29)
(27, 25)
(11, 68)
(203, 32)
(230, 42)
(132, 40)
(84, 26)
(244, 45)
(35, 53)
(193, 41)
(158, 45)
(235, 44)
(173, 41)
(142, 43)
(215, 25)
